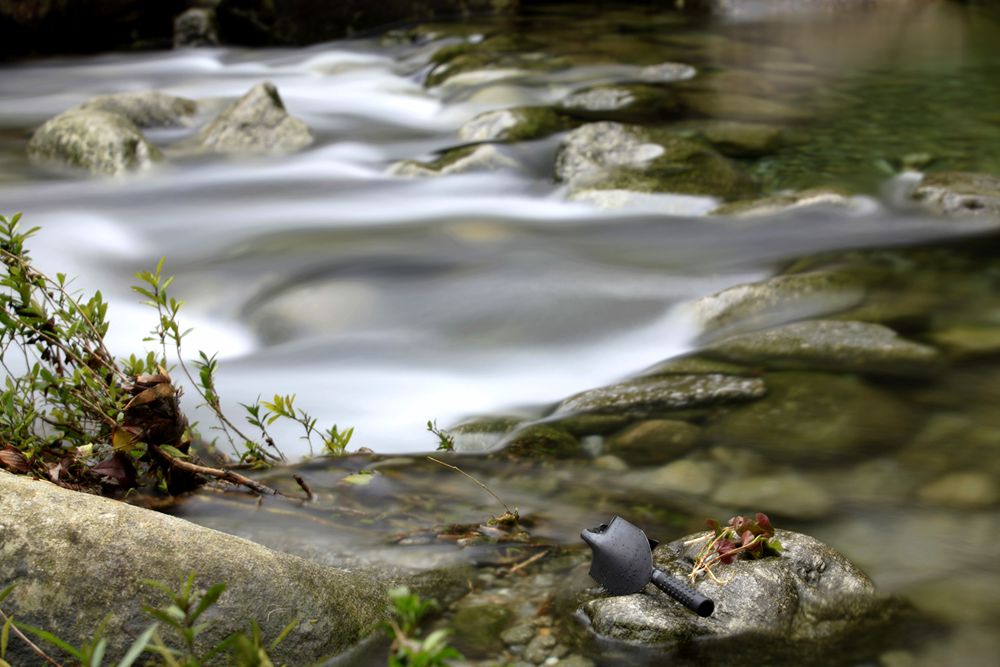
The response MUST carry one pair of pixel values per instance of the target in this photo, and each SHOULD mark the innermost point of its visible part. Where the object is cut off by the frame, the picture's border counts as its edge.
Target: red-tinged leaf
(765, 523)
(747, 538)
(724, 546)
(14, 460)
(728, 558)
(117, 470)
(714, 525)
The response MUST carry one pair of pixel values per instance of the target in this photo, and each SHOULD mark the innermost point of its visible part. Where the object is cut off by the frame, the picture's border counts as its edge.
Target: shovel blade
(623, 561)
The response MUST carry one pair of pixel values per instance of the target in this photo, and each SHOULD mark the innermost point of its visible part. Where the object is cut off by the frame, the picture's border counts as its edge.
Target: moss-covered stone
(694, 364)
(858, 347)
(515, 124)
(541, 441)
(814, 419)
(967, 341)
(593, 424)
(483, 157)
(785, 494)
(623, 102)
(482, 433)
(781, 203)
(98, 141)
(734, 138)
(731, 106)
(653, 441)
(146, 108)
(477, 627)
(658, 395)
(497, 52)
(611, 156)
(776, 301)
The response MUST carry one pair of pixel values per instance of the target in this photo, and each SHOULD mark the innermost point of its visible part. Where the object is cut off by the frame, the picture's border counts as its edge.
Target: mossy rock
(583, 425)
(623, 102)
(731, 106)
(735, 138)
(482, 157)
(694, 364)
(653, 441)
(815, 419)
(515, 124)
(477, 627)
(100, 142)
(782, 203)
(540, 441)
(482, 434)
(855, 347)
(610, 156)
(960, 194)
(146, 108)
(500, 52)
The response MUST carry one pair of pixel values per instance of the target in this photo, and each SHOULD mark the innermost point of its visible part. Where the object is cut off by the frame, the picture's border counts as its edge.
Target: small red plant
(740, 537)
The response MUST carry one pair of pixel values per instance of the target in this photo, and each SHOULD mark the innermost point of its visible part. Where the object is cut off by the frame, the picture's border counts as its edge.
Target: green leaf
(97, 657)
(47, 636)
(5, 592)
(5, 636)
(284, 633)
(210, 597)
(138, 646)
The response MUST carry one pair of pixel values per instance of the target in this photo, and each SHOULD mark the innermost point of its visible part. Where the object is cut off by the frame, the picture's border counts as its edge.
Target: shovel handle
(684, 594)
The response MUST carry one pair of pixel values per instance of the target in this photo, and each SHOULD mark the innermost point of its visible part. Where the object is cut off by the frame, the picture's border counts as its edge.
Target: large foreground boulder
(146, 108)
(76, 559)
(809, 599)
(101, 142)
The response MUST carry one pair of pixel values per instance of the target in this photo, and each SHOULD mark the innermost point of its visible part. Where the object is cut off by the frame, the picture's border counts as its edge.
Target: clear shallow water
(385, 302)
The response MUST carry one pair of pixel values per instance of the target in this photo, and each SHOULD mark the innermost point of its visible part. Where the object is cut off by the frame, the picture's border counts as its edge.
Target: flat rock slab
(859, 347)
(811, 596)
(651, 396)
(75, 559)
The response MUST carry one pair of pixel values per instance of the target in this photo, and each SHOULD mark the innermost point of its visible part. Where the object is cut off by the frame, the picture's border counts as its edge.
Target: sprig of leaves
(408, 649)
(739, 538)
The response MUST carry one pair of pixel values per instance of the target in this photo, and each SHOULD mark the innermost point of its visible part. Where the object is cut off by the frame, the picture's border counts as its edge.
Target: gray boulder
(960, 194)
(98, 141)
(257, 123)
(791, 201)
(775, 301)
(610, 156)
(196, 27)
(622, 102)
(653, 396)
(146, 108)
(516, 124)
(76, 559)
(482, 157)
(859, 347)
(803, 602)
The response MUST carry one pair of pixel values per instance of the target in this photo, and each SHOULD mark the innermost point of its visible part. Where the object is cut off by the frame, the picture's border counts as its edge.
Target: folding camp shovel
(623, 564)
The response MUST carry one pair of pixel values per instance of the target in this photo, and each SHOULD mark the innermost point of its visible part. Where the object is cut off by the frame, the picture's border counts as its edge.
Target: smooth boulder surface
(516, 124)
(610, 156)
(98, 141)
(860, 347)
(652, 396)
(809, 599)
(196, 27)
(257, 123)
(483, 157)
(146, 108)
(76, 558)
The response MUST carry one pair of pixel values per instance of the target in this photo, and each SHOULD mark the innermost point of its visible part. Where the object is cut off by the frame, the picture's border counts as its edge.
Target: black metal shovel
(623, 564)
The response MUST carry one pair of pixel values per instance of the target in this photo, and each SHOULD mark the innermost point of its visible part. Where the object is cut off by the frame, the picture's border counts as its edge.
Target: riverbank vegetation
(73, 413)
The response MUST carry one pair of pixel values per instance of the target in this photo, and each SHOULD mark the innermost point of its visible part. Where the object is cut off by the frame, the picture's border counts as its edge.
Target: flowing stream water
(383, 302)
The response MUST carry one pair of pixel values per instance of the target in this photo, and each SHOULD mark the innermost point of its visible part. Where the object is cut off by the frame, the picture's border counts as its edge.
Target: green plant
(446, 441)
(180, 615)
(73, 413)
(283, 407)
(408, 649)
(740, 537)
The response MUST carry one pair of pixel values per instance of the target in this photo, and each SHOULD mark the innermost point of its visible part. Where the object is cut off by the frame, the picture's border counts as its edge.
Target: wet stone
(622, 102)
(99, 142)
(540, 648)
(845, 346)
(484, 157)
(785, 494)
(257, 123)
(810, 597)
(652, 396)
(960, 194)
(966, 490)
(516, 124)
(541, 441)
(809, 198)
(653, 441)
(146, 108)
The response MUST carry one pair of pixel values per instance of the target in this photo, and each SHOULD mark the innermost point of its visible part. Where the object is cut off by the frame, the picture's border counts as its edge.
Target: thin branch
(523, 564)
(485, 488)
(34, 647)
(224, 475)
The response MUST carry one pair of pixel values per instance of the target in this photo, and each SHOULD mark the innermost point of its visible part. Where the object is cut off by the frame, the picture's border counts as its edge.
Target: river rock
(98, 141)
(775, 301)
(653, 396)
(859, 347)
(481, 434)
(667, 72)
(791, 201)
(516, 124)
(76, 559)
(736, 139)
(484, 157)
(653, 441)
(610, 156)
(960, 194)
(804, 601)
(686, 476)
(733, 106)
(148, 108)
(814, 418)
(965, 490)
(967, 341)
(196, 27)
(257, 123)
(622, 102)
(541, 441)
(786, 494)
